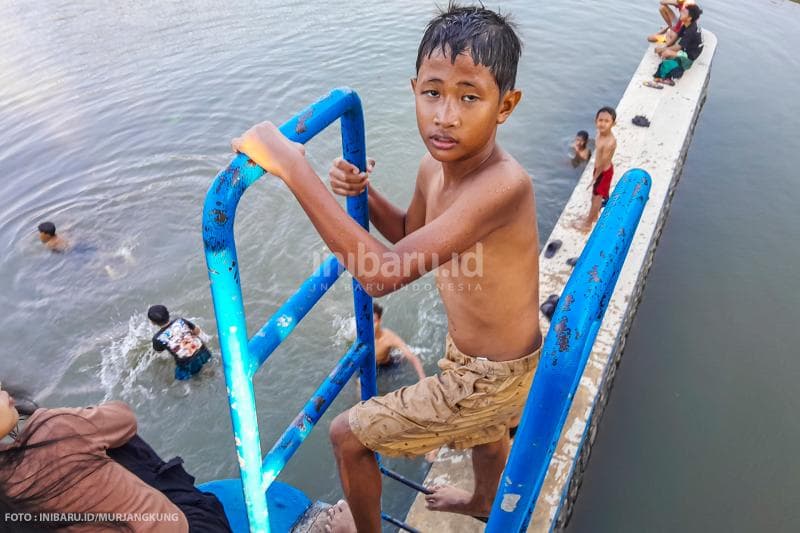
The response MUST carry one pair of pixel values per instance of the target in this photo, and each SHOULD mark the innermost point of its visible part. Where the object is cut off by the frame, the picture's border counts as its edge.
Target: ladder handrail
(566, 348)
(241, 357)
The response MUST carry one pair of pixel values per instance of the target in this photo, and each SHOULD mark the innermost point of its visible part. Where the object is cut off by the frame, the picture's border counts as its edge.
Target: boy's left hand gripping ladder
(267, 504)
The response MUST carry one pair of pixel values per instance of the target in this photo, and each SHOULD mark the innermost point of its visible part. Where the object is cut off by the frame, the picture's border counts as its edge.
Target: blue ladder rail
(567, 346)
(242, 357)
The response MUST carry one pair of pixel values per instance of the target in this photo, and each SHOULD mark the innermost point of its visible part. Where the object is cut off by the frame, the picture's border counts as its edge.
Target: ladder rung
(405, 481)
(399, 523)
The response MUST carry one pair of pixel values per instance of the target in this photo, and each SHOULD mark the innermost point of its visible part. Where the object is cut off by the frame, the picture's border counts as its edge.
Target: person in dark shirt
(182, 339)
(678, 55)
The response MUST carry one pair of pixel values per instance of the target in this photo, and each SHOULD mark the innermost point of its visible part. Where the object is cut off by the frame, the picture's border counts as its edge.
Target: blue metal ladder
(242, 357)
(259, 503)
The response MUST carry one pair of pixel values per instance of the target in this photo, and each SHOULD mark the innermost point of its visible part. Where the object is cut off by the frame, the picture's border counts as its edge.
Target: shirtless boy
(387, 340)
(470, 197)
(605, 146)
(580, 148)
(674, 23)
(48, 237)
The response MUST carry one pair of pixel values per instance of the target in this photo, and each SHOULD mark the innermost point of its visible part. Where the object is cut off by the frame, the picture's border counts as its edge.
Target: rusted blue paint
(566, 348)
(298, 430)
(241, 357)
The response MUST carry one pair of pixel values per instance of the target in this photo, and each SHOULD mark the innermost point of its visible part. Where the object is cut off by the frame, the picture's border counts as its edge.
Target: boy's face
(604, 122)
(44, 237)
(458, 106)
(580, 142)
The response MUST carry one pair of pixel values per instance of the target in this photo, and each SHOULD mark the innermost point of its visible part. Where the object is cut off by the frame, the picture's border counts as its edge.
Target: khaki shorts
(473, 401)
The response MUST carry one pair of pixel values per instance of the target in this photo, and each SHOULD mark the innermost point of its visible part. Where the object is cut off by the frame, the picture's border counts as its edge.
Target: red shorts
(602, 185)
(678, 24)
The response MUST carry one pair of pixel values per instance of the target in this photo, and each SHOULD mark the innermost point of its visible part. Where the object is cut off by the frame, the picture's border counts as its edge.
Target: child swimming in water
(387, 340)
(580, 148)
(182, 339)
(53, 242)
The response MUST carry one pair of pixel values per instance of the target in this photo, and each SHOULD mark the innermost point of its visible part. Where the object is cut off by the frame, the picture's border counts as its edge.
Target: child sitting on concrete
(678, 55)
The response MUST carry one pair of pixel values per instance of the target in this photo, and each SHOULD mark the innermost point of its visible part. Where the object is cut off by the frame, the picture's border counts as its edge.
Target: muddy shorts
(473, 401)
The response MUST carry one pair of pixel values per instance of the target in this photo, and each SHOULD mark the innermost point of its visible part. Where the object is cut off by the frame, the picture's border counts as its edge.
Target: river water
(115, 117)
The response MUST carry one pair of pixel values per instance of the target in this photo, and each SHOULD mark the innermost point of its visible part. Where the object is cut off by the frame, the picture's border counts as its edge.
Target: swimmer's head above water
(158, 315)
(47, 230)
(48, 237)
(377, 314)
(582, 138)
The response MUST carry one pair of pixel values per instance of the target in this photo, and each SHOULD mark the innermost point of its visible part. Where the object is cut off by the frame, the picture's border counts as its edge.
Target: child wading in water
(182, 339)
(471, 199)
(605, 146)
(580, 148)
(53, 242)
(387, 340)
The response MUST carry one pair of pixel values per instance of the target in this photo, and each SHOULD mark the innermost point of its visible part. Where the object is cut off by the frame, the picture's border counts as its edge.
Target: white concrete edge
(680, 108)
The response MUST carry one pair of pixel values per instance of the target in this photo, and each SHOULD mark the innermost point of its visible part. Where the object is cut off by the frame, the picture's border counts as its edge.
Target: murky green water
(115, 118)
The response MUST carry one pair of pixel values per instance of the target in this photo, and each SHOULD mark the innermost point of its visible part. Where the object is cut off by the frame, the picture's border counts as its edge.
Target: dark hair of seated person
(33, 498)
(694, 11)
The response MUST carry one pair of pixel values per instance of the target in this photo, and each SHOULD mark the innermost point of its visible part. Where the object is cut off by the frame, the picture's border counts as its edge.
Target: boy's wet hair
(584, 135)
(48, 228)
(488, 36)
(377, 310)
(607, 109)
(694, 11)
(158, 314)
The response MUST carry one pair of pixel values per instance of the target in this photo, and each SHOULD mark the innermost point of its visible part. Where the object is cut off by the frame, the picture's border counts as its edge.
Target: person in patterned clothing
(182, 339)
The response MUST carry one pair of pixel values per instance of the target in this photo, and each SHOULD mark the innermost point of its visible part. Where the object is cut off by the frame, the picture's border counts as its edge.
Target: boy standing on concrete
(471, 198)
(605, 146)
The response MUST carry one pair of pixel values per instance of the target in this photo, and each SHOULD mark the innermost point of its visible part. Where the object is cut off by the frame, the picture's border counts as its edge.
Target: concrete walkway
(660, 150)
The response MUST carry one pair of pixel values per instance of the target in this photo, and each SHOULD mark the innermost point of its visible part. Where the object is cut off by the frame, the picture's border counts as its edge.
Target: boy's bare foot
(449, 499)
(581, 226)
(340, 519)
(432, 455)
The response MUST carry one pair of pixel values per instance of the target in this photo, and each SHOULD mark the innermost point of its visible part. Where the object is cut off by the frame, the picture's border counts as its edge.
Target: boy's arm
(398, 343)
(158, 345)
(475, 214)
(393, 222)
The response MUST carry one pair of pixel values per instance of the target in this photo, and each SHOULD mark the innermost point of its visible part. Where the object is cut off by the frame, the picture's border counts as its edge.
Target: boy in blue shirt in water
(182, 339)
